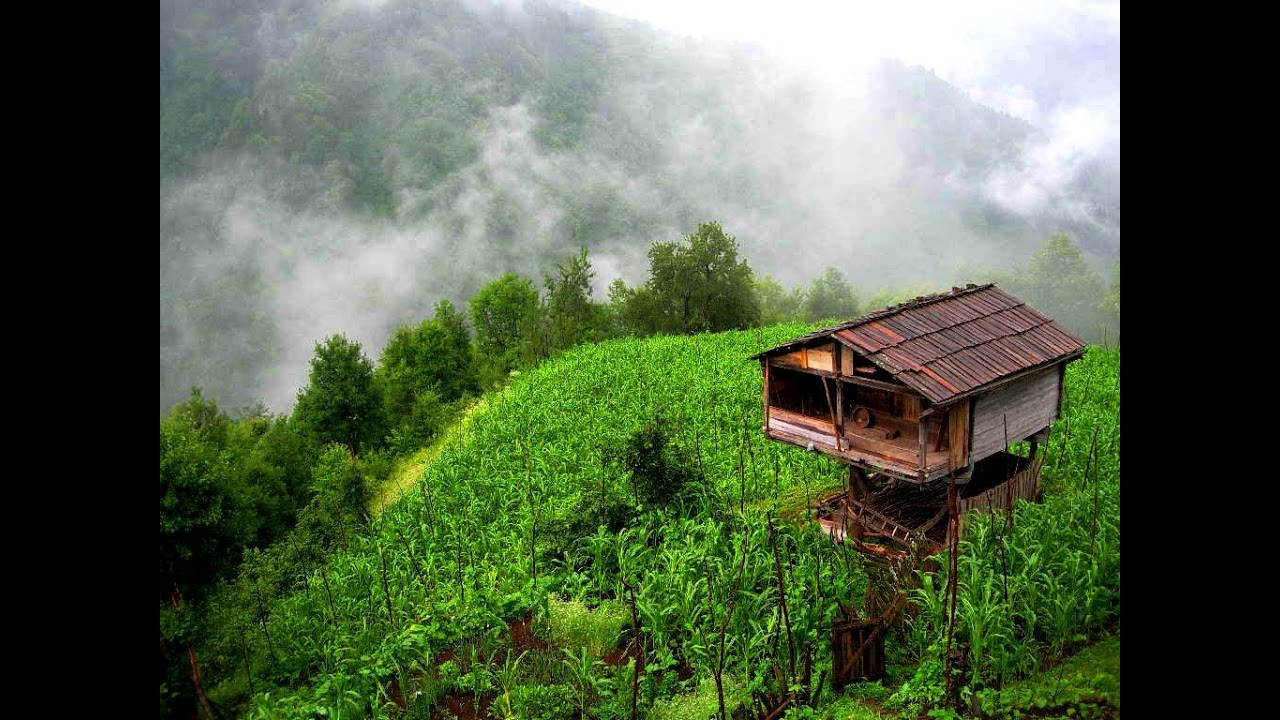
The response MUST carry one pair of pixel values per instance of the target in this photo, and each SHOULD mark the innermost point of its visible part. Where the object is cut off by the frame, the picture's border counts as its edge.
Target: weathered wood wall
(821, 357)
(1025, 485)
(818, 431)
(847, 663)
(1029, 404)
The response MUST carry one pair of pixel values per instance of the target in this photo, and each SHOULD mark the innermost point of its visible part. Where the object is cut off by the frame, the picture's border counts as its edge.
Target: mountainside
(340, 166)
(536, 501)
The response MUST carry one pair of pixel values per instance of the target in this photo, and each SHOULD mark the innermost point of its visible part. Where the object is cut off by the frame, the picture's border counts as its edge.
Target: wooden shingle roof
(952, 344)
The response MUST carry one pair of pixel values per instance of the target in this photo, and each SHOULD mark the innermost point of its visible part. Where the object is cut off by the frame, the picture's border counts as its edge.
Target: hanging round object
(862, 417)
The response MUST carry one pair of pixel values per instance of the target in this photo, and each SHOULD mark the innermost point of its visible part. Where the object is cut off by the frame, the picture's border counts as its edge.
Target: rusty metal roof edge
(911, 304)
(1067, 358)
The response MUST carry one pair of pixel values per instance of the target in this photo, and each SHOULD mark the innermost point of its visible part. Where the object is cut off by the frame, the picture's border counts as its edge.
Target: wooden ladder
(879, 523)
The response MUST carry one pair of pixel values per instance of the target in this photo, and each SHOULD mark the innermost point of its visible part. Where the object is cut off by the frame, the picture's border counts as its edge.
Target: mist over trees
(251, 501)
(696, 284)
(342, 167)
(373, 213)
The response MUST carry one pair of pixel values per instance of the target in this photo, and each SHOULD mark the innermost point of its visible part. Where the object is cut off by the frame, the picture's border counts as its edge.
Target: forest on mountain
(424, 259)
(339, 166)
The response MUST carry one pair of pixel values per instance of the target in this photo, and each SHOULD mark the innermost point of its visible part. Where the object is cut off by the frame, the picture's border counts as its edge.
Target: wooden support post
(859, 485)
(765, 392)
(924, 450)
(838, 364)
(1062, 388)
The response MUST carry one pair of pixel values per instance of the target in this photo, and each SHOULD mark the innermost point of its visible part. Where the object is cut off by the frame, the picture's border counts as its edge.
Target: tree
(570, 315)
(1057, 281)
(776, 304)
(700, 284)
(830, 296)
(635, 310)
(1110, 304)
(200, 535)
(422, 367)
(341, 401)
(340, 497)
(657, 467)
(500, 313)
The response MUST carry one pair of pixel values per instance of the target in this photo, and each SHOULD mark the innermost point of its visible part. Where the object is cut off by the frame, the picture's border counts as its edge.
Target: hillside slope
(511, 513)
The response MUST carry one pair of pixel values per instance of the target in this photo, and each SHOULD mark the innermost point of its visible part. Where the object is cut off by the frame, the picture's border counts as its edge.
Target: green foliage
(699, 704)
(776, 304)
(636, 310)
(830, 297)
(195, 504)
(341, 495)
(454, 574)
(1058, 562)
(341, 401)
(658, 469)
(887, 297)
(1058, 282)
(588, 683)
(541, 702)
(569, 315)
(700, 285)
(421, 370)
(502, 313)
(197, 101)
(1109, 306)
(574, 625)
(1111, 300)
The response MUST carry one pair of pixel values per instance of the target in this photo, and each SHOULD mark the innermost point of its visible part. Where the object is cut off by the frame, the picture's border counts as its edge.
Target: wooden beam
(973, 406)
(865, 382)
(835, 426)
(766, 391)
(881, 385)
(924, 450)
(1062, 388)
(839, 416)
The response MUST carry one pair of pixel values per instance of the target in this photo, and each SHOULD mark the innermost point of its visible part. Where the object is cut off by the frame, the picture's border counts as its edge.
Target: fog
(809, 158)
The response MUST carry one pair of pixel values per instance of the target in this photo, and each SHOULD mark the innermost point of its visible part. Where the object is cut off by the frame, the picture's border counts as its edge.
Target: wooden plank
(765, 387)
(812, 424)
(958, 432)
(820, 358)
(1027, 406)
(800, 431)
(867, 460)
(1011, 377)
(924, 447)
(839, 391)
(879, 384)
(793, 360)
(907, 406)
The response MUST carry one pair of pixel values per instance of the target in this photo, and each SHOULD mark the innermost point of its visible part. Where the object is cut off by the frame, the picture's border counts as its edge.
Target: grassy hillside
(506, 525)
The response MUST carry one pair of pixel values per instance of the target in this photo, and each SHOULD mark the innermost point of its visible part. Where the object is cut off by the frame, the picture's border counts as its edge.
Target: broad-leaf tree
(341, 401)
(1058, 282)
(830, 296)
(700, 284)
(501, 312)
(569, 313)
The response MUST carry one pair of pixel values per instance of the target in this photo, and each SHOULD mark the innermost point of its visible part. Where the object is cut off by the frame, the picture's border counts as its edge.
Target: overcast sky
(1046, 62)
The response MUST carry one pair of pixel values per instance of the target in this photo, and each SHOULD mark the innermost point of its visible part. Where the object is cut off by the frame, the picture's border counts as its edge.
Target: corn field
(728, 589)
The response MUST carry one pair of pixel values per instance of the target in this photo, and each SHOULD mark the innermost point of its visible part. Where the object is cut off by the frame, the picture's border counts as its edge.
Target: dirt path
(408, 470)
